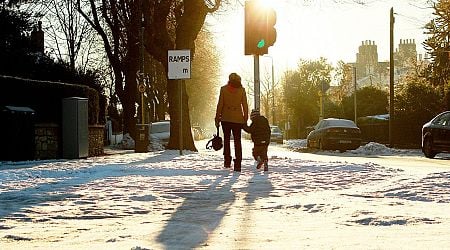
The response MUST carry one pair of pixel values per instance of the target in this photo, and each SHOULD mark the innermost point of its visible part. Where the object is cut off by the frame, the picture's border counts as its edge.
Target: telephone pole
(354, 99)
(391, 80)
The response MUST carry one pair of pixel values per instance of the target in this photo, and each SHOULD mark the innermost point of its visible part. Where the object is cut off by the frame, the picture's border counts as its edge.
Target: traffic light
(260, 32)
(271, 32)
(254, 21)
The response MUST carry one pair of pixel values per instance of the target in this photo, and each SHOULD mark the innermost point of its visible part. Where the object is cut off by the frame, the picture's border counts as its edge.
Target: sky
(319, 28)
(161, 200)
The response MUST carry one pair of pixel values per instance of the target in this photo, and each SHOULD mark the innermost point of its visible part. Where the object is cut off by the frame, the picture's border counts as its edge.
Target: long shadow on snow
(200, 214)
(63, 182)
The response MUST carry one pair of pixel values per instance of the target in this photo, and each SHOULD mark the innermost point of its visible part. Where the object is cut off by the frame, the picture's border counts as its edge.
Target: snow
(371, 148)
(164, 200)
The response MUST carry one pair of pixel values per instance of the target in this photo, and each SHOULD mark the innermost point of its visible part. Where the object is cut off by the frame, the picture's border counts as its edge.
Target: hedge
(45, 98)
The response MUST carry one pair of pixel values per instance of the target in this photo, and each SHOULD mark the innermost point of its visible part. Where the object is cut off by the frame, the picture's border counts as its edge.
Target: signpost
(324, 86)
(179, 64)
(179, 68)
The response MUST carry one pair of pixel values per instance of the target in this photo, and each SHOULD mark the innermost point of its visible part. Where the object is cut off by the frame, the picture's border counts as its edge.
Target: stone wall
(48, 141)
(96, 134)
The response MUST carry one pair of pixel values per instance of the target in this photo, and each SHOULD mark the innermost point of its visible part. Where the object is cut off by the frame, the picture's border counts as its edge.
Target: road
(410, 160)
(161, 200)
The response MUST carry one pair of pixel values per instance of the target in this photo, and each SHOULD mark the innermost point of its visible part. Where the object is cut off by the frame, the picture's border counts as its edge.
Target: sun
(268, 3)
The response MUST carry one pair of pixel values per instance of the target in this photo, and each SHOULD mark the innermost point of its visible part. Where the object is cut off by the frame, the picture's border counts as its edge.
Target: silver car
(160, 131)
(276, 135)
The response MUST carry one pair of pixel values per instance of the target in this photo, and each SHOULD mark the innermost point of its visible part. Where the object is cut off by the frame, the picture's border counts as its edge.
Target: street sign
(141, 88)
(325, 86)
(179, 64)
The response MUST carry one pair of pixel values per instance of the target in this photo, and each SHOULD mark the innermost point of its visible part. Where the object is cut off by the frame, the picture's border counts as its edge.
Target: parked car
(276, 135)
(334, 134)
(198, 133)
(160, 131)
(436, 135)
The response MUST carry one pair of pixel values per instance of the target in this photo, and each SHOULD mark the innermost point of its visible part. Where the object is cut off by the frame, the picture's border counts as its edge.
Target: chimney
(37, 38)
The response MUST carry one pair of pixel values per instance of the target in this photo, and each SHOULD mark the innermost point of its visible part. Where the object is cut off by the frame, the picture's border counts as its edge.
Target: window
(160, 128)
(442, 120)
(446, 119)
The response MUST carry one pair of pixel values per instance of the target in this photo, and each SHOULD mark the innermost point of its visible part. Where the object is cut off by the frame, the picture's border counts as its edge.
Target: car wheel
(428, 148)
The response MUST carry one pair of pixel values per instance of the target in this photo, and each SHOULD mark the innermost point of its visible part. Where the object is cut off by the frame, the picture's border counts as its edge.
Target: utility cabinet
(75, 130)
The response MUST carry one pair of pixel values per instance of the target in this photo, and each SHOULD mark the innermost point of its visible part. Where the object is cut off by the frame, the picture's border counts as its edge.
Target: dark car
(436, 135)
(276, 135)
(334, 134)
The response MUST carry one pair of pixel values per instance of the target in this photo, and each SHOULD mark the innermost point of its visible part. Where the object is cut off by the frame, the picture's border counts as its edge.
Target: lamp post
(355, 86)
(273, 92)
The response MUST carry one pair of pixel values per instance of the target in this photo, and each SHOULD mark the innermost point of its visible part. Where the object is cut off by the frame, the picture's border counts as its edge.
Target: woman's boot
(227, 162)
(237, 165)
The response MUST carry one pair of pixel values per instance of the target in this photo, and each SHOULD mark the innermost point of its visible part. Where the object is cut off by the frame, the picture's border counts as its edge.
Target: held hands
(217, 121)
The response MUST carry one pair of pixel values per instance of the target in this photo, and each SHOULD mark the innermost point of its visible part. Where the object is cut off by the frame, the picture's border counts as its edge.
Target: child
(260, 133)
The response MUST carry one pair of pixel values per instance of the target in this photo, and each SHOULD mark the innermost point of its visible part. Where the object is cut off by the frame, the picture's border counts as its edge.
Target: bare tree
(172, 24)
(71, 38)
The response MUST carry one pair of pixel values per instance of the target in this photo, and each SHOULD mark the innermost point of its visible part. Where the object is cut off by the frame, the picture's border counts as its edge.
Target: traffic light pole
(260, 34)
(256, 86)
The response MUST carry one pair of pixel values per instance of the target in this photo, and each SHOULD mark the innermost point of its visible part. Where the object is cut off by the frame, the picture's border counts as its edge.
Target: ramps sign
(179, 64)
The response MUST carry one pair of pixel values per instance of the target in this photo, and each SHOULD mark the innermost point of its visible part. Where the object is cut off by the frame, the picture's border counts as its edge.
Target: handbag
(216, 142)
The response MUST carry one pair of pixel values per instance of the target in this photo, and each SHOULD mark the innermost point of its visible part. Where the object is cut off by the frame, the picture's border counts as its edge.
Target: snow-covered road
(161, 200)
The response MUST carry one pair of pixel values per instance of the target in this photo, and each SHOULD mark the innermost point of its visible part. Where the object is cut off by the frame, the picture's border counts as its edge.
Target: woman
(232, 113)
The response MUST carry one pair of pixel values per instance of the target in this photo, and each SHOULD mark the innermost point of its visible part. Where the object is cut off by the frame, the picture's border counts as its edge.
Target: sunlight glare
(267, 3)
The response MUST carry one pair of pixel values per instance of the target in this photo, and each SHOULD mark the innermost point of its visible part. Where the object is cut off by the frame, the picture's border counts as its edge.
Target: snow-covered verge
(161, 200)
(371, 148)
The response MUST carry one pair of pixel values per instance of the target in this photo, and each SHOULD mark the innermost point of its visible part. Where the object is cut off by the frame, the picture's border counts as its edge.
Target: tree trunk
(189, 26)
(128, 99)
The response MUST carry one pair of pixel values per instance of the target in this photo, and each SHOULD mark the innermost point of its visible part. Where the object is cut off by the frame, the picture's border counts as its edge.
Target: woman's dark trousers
(235, 128)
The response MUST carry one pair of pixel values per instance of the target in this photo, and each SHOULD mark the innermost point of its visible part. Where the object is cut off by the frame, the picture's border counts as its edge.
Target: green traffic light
(261, 44)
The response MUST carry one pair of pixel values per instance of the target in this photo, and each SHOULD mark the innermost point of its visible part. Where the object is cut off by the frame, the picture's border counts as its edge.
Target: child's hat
(254, 113)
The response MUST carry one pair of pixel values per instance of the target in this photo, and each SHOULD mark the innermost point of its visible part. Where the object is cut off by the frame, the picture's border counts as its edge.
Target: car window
(442, 120)
(319, 125)
(160, 128)
(341, 123)
(335, 123)
(275, 130)
(446, 119)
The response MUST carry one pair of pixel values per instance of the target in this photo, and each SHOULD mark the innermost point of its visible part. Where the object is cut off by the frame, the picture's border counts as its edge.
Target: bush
(369, 101)
(415, 104)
